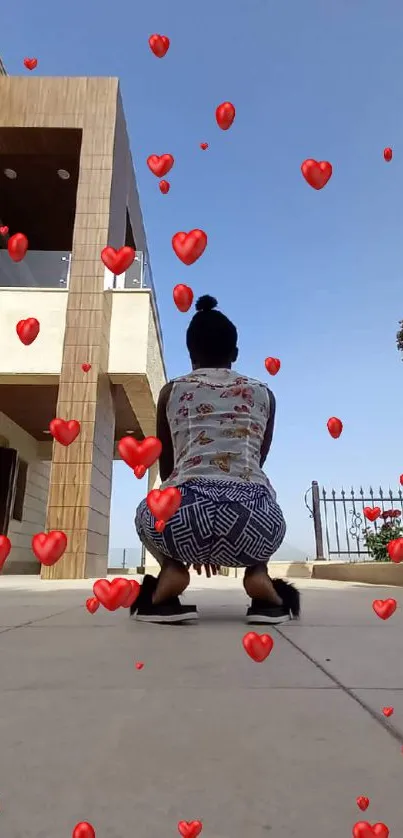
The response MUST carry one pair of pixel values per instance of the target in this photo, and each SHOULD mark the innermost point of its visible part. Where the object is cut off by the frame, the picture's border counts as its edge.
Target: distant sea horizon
(131, 556)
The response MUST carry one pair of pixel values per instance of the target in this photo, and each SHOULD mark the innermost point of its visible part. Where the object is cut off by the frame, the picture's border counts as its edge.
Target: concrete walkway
(281, 748)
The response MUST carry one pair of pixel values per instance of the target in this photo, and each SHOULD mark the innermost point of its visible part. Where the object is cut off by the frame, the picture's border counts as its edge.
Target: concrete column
(81, 474)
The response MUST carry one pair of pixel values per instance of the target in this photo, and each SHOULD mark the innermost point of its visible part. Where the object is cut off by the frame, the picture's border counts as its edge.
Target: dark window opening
(39, 170)
(129, 240)
(20, 491)
(134, 277)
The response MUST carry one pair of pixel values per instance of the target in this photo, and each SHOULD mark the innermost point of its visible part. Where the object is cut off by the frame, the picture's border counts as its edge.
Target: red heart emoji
(135, 589)
(203, 146)
(160, 166)
(380, 830)
(118, 261)
(30, 63)
(3, 231)
(28, 330)
(183, 297)
(387, 711)
(164, 186)
(5, 547)
(316, 174)
(384, 608)
(64, 432)
(225, 115)
(112, 595)
(17, 247)
(159, 45)
(144, 453)
(363, 829)
(189, 246)
(163, 503)
(190, 829)
(49, 547)
(139, 665)
(92, 604)
(83, 830)
(362, 803)
(401, 479)
(335, 427)
(395, 550)
(139, 472)
(160, 525)
(85, 367)
(388, 154)
(257, 646)
(272, 365)
(372, 513)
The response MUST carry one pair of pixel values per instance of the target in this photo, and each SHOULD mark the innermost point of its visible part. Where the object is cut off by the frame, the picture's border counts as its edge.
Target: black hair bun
(206, 303)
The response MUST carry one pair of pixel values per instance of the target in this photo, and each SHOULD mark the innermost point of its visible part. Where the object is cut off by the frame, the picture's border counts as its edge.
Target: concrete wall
(156, 373)
(129, 332)
(134, 343)
(13, 436)
(369, 573)
(44, 355)
(21, 559)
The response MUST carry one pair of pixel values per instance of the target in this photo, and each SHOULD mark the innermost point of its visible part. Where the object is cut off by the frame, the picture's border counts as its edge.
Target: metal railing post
(317, 521)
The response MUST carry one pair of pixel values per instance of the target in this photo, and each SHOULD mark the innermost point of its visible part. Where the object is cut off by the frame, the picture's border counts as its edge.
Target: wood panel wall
(81, 474)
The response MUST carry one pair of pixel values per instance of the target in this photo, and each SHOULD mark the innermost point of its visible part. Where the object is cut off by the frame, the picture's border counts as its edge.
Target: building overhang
(32, 404)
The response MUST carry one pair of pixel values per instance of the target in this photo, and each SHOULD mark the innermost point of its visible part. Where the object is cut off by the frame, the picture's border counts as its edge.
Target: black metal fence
(339, 521)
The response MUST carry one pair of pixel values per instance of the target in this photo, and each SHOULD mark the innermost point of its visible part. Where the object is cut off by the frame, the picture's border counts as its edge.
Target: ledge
(370, 573)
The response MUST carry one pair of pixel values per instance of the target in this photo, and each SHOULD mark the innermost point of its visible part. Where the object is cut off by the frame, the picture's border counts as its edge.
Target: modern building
(67, 183)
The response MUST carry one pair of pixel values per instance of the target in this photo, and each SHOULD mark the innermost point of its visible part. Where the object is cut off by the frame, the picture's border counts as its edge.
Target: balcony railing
(39, 269)
(136, 278)
(47, 269)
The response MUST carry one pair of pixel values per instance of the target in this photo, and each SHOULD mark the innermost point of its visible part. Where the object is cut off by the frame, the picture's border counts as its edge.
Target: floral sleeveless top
(218, 419)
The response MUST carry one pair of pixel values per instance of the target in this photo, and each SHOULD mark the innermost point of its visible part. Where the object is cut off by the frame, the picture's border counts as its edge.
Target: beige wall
(44, 355)
(129, 332)
(134, 346)
(21, 559)
(13, 436)
(155, 367)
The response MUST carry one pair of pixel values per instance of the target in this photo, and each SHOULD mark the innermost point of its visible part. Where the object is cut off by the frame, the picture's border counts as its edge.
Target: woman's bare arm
(268, 436)
(166, 462)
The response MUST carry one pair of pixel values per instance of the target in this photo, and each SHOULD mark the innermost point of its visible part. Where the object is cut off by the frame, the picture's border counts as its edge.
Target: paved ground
(280, 748)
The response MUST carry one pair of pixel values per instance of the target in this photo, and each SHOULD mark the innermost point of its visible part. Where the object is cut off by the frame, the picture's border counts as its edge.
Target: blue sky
(314, 278)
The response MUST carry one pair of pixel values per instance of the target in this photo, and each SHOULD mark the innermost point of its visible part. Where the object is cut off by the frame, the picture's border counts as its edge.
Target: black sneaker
(172, 612)
(261, 612)
(168, 612)
(146, 591)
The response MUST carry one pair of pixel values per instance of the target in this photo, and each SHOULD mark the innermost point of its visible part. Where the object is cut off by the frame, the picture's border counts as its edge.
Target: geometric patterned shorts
(218, 523)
